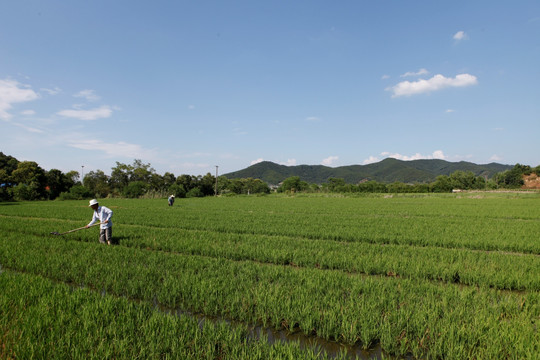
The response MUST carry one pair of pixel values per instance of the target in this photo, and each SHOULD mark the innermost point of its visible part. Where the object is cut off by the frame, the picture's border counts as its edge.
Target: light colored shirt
(102, 214)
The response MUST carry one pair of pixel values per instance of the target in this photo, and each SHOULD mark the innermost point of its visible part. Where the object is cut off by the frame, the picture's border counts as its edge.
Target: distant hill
(386, 171)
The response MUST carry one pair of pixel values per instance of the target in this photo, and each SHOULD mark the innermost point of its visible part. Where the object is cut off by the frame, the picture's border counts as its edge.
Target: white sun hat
(93, 202)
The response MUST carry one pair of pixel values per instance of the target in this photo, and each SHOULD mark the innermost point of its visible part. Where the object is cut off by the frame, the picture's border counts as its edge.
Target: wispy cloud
(495, 157)
(117, 149)
(12, 92)
(28, 112)
(29, 128)
(329, 160)
(313, 119)
(417, 73)
(450, 111)
(54, 91)
(259, 160)
(92, 114)
(460, 35)
(436, 83)
(89, 95)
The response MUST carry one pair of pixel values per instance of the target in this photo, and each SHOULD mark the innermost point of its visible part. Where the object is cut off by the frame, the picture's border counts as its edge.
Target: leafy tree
(372, 186)
(29, 174)
(4, 186)
(177, 190)
(236, 186)
(194, 192)
(293, 184)
(97, 182)
(76, 192)
(255, 186)
(168, 180)
(26, 192)
(141, 171)
(73, 177)
(223, 184)
(335, 184)
(187, 181)
(8, 163)
(57, 182)
(135, 189)
(442, 184)
(207, 184)
(512, 178)
(120, 176)
(398, 187)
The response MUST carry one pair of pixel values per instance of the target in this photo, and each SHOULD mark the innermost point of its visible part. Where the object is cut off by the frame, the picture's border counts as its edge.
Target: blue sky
(188, 85)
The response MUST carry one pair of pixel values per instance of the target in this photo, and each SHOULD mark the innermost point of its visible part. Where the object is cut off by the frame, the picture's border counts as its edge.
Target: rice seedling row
(47, 320)
(405, 316)
(492, 224)
(475, 268)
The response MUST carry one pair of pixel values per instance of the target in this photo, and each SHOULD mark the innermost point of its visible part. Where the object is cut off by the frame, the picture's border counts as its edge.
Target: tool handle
(84, 227)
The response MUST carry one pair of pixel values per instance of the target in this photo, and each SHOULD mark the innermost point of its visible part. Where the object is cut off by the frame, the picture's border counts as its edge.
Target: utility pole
(82, 174)
(216, 181)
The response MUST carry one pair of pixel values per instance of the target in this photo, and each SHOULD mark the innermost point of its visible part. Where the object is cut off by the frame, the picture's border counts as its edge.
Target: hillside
(386, 171)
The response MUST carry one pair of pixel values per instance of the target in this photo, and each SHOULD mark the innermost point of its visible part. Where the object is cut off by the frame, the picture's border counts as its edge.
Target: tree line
(26, 180)
(458, 180)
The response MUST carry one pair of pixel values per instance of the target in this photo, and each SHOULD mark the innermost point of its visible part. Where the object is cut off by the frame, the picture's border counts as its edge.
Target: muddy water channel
(331, 348)
(256, 332)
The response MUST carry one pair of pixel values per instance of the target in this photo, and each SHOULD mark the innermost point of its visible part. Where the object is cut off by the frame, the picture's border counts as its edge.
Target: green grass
(429, 276)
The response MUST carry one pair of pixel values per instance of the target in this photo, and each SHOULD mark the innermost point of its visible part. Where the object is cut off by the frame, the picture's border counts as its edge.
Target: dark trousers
(105, 236)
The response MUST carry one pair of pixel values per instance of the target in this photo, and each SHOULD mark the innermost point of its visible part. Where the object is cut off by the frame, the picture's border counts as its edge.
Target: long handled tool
(70, 231)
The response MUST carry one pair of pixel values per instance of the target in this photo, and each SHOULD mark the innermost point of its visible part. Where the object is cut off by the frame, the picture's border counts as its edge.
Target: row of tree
(26, 180)
(462, 180)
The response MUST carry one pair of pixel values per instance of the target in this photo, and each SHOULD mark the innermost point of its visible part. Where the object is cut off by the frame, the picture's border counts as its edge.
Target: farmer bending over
(103, 214)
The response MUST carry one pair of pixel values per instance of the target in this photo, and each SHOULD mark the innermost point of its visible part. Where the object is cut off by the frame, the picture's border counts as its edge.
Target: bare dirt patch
(531, 181)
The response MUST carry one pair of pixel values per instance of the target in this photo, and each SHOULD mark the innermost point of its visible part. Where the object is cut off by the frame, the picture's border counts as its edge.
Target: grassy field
(427, 276)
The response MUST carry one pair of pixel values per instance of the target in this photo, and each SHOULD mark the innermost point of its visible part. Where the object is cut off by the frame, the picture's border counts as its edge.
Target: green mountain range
(386, 171)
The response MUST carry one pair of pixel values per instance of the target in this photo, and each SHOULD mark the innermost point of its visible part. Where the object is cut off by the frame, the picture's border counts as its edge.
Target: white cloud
(118, 149)
(438, 154)
(385, 76)
(93, 114)
(329, 160)
(313, 119)
(418, 73)
(56, 90)
(289, 162)
(437, 82)
(257, 161)
(371, 160)
(28, 112)
(460, 35)
(89, 95)
(495, 157)
(12, 92)
(450, 110)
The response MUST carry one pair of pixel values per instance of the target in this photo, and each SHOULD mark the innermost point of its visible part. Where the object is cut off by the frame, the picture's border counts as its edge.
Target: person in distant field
(103, 214)
(171, 200)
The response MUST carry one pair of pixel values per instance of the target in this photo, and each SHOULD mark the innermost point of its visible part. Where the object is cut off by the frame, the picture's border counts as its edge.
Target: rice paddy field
(449, 276)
